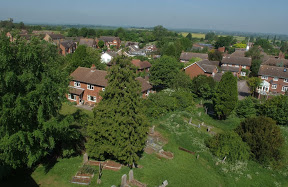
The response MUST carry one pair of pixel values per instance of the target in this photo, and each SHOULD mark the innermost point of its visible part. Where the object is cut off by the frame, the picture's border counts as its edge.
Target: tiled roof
(276, 62)
(141, 64)
(238, 53)
(90, 76)
(76, 91)
(98, 77)
(144, 84)
(207, 66)
(188, 55)
(273, 71)
(217, 77)
(229, 68)
(87, 41)
(56, 36)
(243, 61)
(68, 44)
(109, 38)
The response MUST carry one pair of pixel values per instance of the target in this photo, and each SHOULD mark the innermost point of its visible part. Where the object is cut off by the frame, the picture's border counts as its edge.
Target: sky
(263, 16)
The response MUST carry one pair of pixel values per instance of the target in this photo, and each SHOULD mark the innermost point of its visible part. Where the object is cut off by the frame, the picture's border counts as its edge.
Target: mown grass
(185, 169)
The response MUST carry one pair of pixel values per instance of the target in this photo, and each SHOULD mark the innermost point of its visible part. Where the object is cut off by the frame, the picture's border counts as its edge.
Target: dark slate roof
(141, 64)
(87, 41)
(68, 44)
(188, 55)
(56, 36)
(229, 68)
(145, 85)
(90, 76)
(273, 71)
(276, 62)
(243, 61)
(109, 38)
(76, 91)
(217, 77)
(207, 66)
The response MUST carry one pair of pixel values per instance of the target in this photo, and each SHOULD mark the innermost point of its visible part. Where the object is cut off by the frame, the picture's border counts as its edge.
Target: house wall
(95, 92)
(280, 83)
(195, 70)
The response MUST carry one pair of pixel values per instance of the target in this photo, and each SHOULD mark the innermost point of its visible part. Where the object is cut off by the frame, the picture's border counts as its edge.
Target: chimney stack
(93, 67)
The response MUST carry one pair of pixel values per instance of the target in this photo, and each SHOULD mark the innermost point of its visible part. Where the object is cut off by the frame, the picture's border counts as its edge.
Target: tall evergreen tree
(119, 127)
(226, 96)
(189, 36)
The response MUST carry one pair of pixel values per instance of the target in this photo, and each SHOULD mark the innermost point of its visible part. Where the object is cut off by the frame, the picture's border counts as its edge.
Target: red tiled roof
(144, 84)
(141, 64)
(87, 75)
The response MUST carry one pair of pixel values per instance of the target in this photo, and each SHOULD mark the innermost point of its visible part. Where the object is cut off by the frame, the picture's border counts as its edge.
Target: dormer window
(90, 87)
(275, 79)
(77, 84)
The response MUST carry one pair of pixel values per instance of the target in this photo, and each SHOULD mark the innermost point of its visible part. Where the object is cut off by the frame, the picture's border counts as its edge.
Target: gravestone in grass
(124, 180)
(131, 175)
(85, 158)
(152, 130)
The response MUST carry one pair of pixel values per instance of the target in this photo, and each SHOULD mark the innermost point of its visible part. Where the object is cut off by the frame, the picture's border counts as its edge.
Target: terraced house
(87, 84)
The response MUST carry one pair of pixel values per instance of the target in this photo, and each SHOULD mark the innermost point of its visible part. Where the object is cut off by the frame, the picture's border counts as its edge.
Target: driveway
(243, 89)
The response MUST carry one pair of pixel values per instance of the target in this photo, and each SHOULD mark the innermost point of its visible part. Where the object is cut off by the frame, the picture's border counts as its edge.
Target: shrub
(263, 137)
(229, 145)
(246, 108)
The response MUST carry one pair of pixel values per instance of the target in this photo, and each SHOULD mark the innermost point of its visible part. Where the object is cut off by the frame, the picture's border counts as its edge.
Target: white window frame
(284, 88)
(103, 89)
(70, 97)
(264, 77)
(243, 73)
(90, 87)
(77, 84)
(274, 86)
(147, 92)
(237, 66)
(285, 80)
(275, 79)
(89, 98)
(243, 67)
(224, 64)
(230, 65)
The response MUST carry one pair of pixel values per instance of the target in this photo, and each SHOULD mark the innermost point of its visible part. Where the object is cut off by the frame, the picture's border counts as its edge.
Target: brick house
(204, 67)
(236, 63)
(55, 38)
(110, 41)
(274, 80)
(186, 56)
(87, 83)
(67, 47)
(142, 66)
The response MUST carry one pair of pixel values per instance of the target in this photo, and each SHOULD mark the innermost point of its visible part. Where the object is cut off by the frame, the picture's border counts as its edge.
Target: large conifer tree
(119, 127)
(226, 96)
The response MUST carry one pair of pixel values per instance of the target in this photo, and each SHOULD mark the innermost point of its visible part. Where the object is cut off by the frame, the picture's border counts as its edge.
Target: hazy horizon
(244, 16)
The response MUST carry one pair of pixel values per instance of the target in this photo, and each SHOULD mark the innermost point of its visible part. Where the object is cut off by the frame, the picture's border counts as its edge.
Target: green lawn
(184, 169)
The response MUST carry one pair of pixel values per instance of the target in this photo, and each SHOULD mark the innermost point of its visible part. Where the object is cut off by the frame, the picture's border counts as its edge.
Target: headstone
(124, 180)
(206, 110)
(165, 183)
(208, 129)
(190, 120)
(131, 175)
(85, 158)
(133, 165)
(199, 125)
(113, 186)
(198, 156)
(199, 114)
(224, 159)
(152, 130)
(202, 123)
(98, 181)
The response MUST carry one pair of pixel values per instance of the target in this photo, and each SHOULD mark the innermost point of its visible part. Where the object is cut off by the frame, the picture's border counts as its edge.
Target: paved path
(243, 89)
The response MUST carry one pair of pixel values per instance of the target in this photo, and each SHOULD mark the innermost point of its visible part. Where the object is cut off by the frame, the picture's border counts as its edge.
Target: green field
(184, 170)
(201, 35)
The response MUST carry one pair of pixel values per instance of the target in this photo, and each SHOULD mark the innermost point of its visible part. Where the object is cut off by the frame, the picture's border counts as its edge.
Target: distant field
(194, 35)
(201, 35)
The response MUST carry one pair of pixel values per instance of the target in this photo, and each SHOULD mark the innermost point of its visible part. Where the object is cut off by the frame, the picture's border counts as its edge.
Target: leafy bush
(160, 103)
(229, 145)
(246, 108)
(263, 137)
(277, 109)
